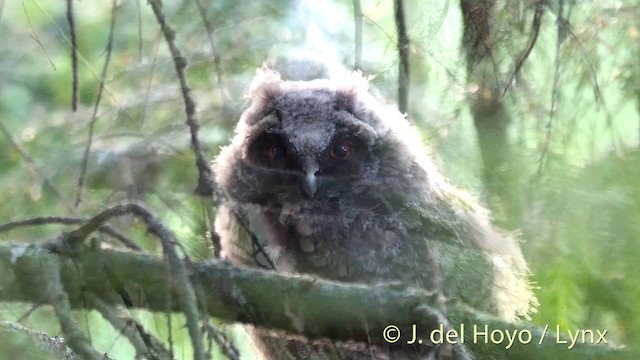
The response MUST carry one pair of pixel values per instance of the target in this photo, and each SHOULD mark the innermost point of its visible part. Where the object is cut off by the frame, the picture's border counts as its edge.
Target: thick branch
(229, 293)
(295, 304)
(177, 269)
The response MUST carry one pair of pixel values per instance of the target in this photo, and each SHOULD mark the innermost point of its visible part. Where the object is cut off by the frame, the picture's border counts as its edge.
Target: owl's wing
(478, 262)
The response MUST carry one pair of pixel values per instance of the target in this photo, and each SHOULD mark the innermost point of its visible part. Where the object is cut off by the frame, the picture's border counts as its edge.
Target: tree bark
(294, 304)
(490, 117)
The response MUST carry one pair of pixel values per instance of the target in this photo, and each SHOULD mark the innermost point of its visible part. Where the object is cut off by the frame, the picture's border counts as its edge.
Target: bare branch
(74, 55)
(69, 221)
(357, 19)
(35, 36)
(226, 346)
(208, 214)
(42, 280)
(29, 160)
(226, 111)
(146, 345)
(139, 13)
(271, 300)
(85, 62)
(186, 296)
(554, 98)
(94, 116)
(535, 30)
(205, 186)
(565, 26)
(403, 54)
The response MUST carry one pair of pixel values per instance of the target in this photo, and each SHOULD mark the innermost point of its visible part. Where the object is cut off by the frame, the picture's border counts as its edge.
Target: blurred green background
(568, 172)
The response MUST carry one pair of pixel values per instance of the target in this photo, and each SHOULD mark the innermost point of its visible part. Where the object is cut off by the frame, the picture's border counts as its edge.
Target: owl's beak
(310, 184)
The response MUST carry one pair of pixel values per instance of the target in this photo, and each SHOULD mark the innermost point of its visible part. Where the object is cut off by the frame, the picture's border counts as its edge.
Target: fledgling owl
(335, 185)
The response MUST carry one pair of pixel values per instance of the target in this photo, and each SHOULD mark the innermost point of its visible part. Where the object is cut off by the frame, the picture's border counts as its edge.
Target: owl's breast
(340, 242)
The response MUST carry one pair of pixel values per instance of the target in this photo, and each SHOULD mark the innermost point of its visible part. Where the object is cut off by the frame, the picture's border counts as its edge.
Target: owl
(324, 180)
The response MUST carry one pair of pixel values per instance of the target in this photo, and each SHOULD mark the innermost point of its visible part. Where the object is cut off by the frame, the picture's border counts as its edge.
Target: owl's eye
(341, 150)
(277, 154)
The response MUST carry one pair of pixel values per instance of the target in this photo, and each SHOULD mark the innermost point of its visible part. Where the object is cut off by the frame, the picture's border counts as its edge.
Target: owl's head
(312, 141)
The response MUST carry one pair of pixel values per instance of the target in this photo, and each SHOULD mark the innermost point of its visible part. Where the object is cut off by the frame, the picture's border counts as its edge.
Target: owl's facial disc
(308, 146)
(290, 171)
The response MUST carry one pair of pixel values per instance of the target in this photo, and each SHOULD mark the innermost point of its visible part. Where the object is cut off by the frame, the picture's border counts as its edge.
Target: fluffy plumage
(336, 185)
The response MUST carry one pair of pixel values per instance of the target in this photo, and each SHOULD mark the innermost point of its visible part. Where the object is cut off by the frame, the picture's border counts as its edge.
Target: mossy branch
(294, 304)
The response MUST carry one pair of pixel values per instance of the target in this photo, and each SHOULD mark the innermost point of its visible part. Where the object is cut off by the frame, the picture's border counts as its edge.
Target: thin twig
(85, 63)
(357, 19)
(94, 116)
(26, 315)
(152, 72)
(226, 111)
(554, 96)
(566, 26)
(29, 160)
(205, 186)
(35, 36)
(535, 31)
(74, 55)
(226, 346)
(389, 37)
(145, 344)
(121, 238)
(106, 229)
(209, 216)
(139, 9)
(259, 248)
(445, 9)
(403, 55)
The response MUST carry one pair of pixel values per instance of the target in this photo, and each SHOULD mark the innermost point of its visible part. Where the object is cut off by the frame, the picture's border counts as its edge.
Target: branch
(186, 295)
(535, 31)
(205, 186)
(222, 340)
(63, 220)
(229, 293)
(224, 97)
(29, 160)
(295, 304)
(94, 116)
(357, 19)
(403, 54)
(145, 344)
(45, 285)
(51, 346)
(74, 55)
